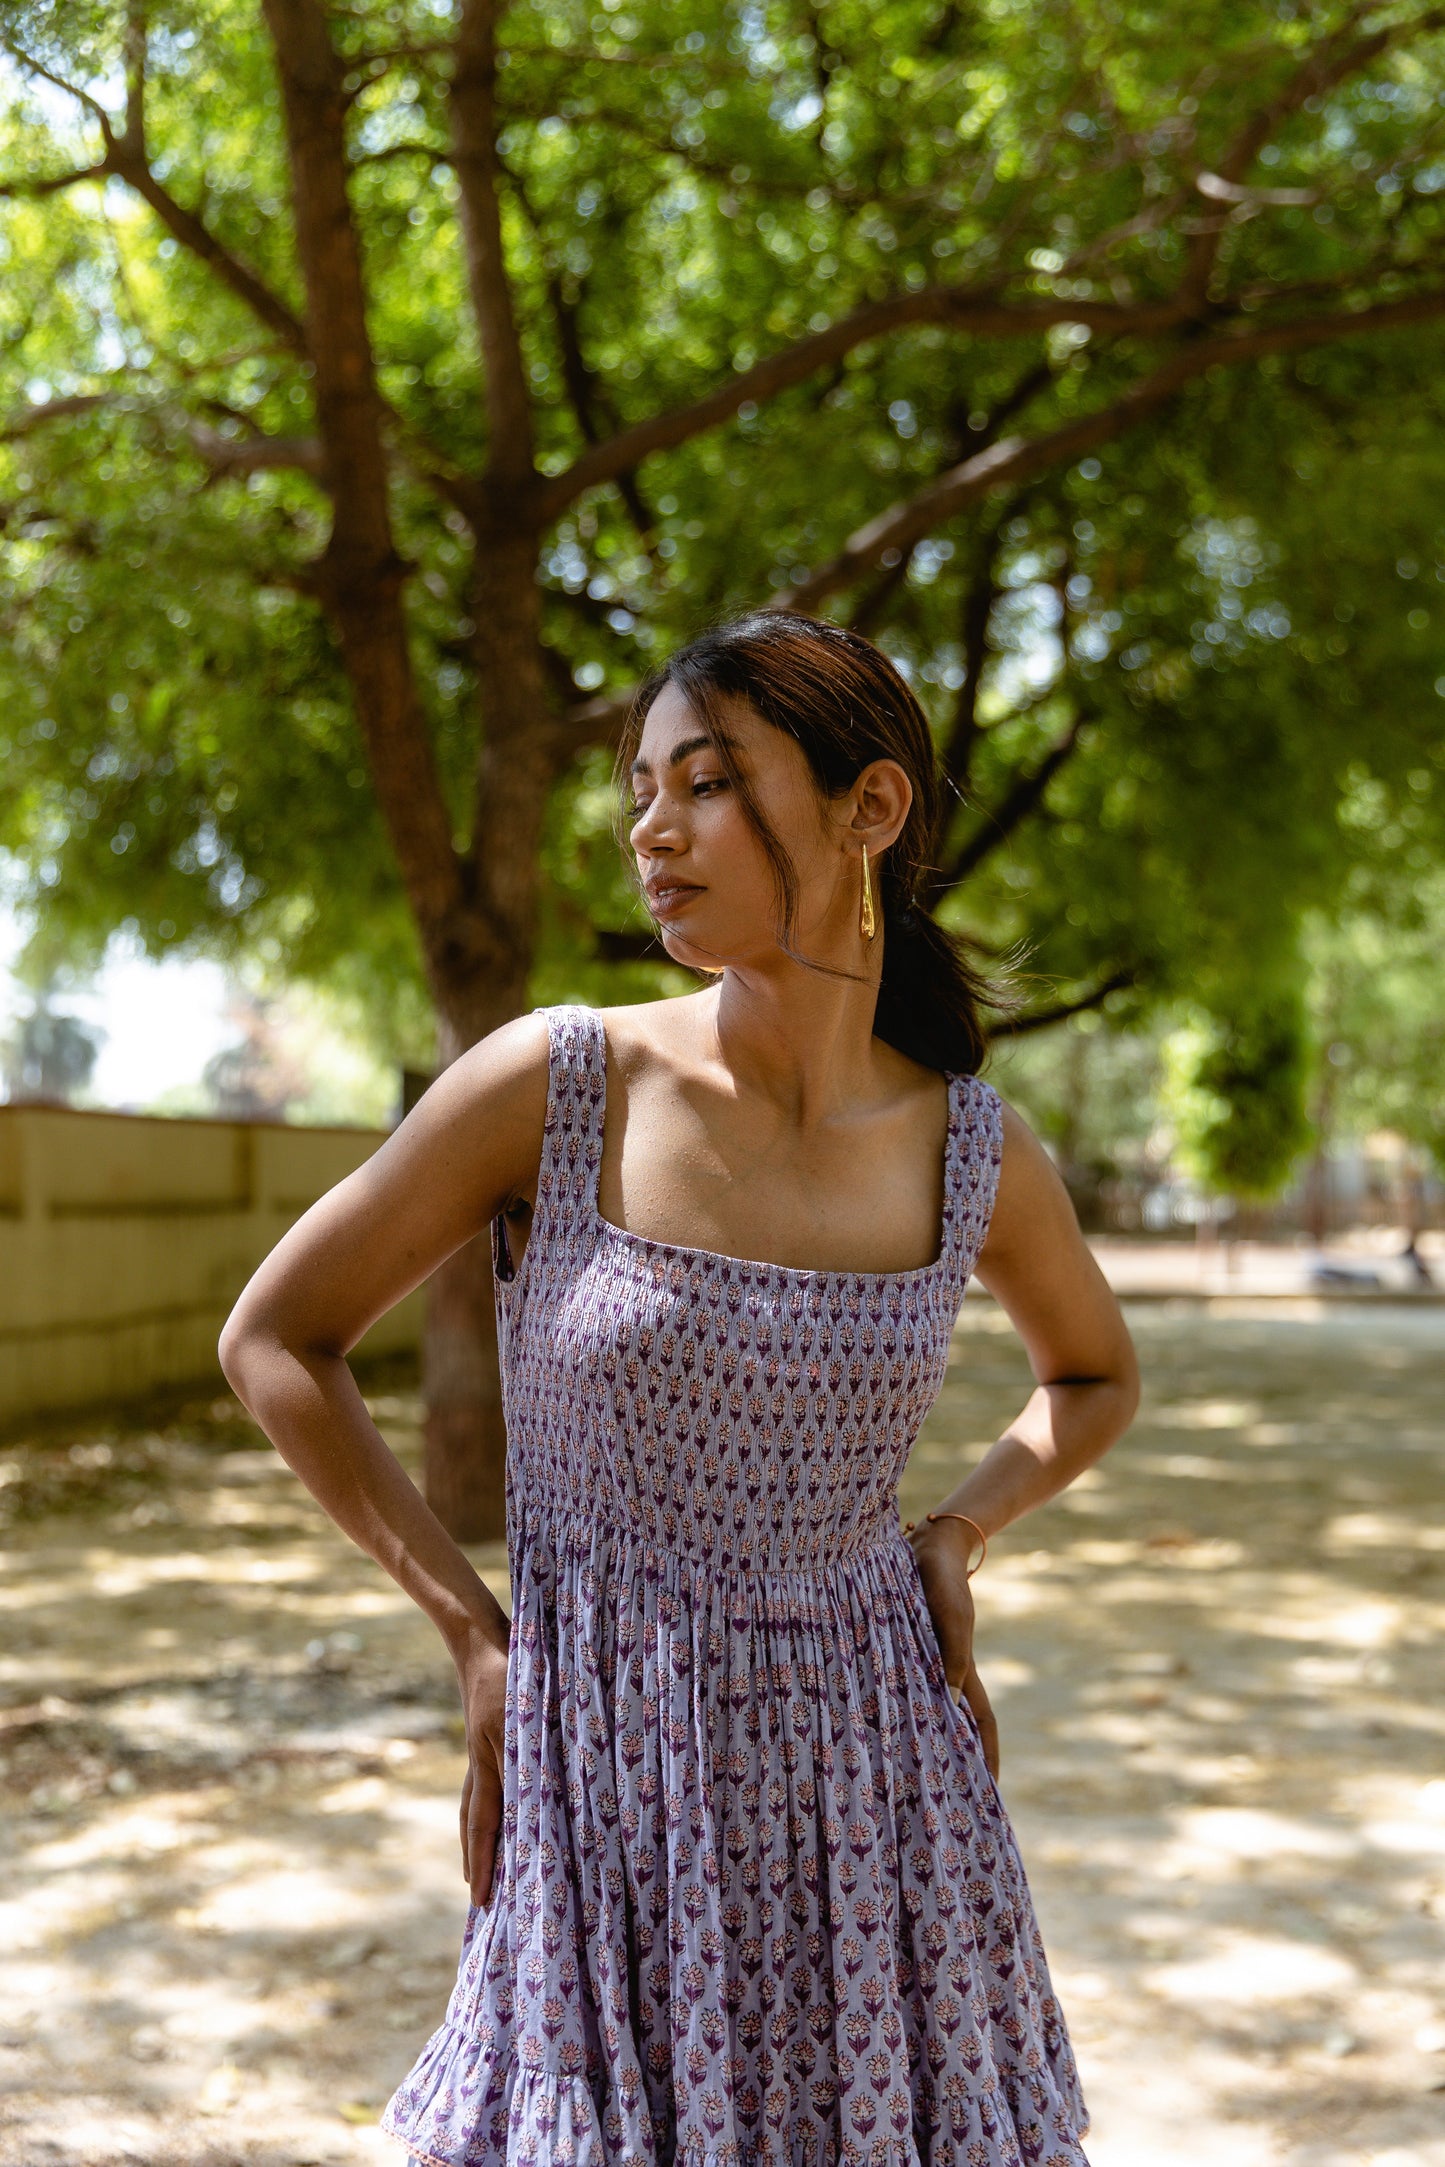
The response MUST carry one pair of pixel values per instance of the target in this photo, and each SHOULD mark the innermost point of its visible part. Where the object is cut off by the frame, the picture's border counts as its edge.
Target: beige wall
(125, 1239)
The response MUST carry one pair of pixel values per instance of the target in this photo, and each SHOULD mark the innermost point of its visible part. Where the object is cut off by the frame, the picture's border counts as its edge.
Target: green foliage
(1238, 606)
(1090, 1090)
(1238, 1095)
(1379, 1018)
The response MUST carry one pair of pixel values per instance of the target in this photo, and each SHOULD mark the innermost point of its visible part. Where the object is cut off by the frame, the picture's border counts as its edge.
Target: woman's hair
(846, 704)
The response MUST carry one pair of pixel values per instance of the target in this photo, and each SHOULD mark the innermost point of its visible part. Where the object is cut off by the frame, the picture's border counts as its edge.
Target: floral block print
(757, 1901)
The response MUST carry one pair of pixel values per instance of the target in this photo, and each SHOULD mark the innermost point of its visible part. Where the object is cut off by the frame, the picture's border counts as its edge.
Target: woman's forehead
(672, 720)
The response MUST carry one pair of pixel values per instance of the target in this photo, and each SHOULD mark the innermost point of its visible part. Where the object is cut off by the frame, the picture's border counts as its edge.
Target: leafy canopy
(1182, 637)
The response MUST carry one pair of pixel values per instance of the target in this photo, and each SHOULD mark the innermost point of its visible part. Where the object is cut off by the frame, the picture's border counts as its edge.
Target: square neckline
(913, 1272)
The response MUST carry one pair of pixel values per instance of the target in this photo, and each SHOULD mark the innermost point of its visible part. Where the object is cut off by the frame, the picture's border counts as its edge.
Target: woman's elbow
(232, 1349)
(262, 1354)
(1128, 1383)
(248, 1348)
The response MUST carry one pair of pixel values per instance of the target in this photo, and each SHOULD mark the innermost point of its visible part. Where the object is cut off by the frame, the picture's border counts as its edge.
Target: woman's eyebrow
(679, 751)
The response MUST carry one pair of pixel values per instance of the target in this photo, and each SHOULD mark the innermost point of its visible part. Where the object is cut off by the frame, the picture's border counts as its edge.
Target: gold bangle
(909, 1525)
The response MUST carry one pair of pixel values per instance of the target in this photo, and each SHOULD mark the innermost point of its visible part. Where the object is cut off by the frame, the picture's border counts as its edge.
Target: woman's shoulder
(654, 1020)
(640, 1034)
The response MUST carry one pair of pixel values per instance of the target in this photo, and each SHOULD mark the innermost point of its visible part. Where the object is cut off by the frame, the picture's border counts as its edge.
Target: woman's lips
(668, 900)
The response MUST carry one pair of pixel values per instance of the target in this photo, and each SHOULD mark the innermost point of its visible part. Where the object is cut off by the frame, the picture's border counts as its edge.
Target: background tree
(1378, 1019)
(389, 385)
(46, 1053)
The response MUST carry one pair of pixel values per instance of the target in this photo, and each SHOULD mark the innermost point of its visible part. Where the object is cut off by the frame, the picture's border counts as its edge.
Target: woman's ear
(882, 800)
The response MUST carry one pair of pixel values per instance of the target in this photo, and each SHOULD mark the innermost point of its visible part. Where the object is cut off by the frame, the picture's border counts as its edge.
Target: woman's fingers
(983, 1715)
(483, 1681)
(484, 1818)
(465, 1810)
(951, 1612)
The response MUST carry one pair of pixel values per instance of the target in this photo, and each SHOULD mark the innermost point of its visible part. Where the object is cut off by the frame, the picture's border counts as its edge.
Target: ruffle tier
(758, 1902)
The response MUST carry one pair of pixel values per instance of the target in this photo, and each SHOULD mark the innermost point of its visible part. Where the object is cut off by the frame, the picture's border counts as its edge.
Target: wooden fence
(125, 1239)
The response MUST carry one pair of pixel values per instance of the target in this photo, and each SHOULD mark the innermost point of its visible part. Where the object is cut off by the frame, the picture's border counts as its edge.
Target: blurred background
(386, 389)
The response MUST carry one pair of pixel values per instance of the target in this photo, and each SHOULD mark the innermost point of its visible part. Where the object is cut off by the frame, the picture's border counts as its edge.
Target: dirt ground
(230, 1759)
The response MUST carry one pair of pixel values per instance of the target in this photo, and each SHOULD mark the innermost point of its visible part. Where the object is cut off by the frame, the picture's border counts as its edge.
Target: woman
(744, 1890)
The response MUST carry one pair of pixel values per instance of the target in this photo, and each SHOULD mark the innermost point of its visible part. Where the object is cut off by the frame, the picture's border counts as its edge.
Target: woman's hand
(943, 1568)
(470, 1145)
(482, 1674)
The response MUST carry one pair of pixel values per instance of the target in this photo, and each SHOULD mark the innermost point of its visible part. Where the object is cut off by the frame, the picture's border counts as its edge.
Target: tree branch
(1016, 460)
(591, 398)
(588, 391)
(48, 410)
(125, 158)
(1327, 64)
(52, 183)
(128, 161)
(961, 308)
(1039, 1019)
(32, 66)
(473, 99)
(360, 574)
(596, 721)
(875, 599)
(224, 455)
(1019, 459)
(982, 311)
(197, 237)
(978, 607)
(1023, 795)
(430, 151)
(235, 455)
(137, 45)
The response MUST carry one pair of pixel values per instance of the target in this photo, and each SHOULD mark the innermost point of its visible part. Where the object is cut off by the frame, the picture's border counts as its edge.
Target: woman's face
(689, 830)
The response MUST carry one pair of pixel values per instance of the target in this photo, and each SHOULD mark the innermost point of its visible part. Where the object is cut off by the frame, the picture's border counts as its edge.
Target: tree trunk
(480, 975)
(465, 1436)
(465, 1444)
(1317, 1185)
(475, 914)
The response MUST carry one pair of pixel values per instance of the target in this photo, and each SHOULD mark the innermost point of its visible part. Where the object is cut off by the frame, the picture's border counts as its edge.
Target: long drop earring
(868, 923)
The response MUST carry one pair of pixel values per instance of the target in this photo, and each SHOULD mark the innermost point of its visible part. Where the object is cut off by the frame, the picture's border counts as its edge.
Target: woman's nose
(650, 827)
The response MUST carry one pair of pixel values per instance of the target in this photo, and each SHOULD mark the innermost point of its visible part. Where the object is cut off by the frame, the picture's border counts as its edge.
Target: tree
(1242, 1114)
(389, 385)
(1091, 1091)
(45, 1053)
(256, 1077)
(1378, 1019)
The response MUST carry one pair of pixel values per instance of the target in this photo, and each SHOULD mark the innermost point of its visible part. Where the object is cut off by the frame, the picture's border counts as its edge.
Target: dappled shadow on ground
(1216, 1665)
(231, 1758)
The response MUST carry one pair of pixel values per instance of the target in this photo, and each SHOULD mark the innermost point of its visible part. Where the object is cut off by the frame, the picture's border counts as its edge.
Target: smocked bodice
(751, 1416)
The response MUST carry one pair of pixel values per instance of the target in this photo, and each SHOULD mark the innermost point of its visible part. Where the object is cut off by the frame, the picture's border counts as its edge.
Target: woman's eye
(634, 810)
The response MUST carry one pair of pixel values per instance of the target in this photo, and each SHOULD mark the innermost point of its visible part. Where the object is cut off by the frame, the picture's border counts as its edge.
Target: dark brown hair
(846, 704)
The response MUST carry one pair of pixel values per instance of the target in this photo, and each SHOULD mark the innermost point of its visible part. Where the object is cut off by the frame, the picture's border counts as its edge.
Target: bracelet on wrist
(909, 1525)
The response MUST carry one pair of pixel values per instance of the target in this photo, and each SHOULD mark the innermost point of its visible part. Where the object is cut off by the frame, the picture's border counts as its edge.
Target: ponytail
(845, 703)
(931, 998)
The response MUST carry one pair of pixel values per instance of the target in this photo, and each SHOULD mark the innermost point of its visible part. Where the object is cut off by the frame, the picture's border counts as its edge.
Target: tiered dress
(757, 1900)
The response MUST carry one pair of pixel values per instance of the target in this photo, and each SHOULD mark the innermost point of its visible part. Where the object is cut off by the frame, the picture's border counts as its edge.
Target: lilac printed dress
(757, 1900)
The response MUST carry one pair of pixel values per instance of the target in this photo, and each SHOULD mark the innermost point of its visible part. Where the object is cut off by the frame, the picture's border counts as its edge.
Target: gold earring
(868, 923)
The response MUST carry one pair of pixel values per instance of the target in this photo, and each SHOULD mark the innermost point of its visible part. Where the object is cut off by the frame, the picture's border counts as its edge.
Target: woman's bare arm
(1037, 1265)
(470, 1145)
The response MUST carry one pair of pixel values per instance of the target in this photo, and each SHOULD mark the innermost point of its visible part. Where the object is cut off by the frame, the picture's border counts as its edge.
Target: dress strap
(571, 1141)
(978, 1157)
